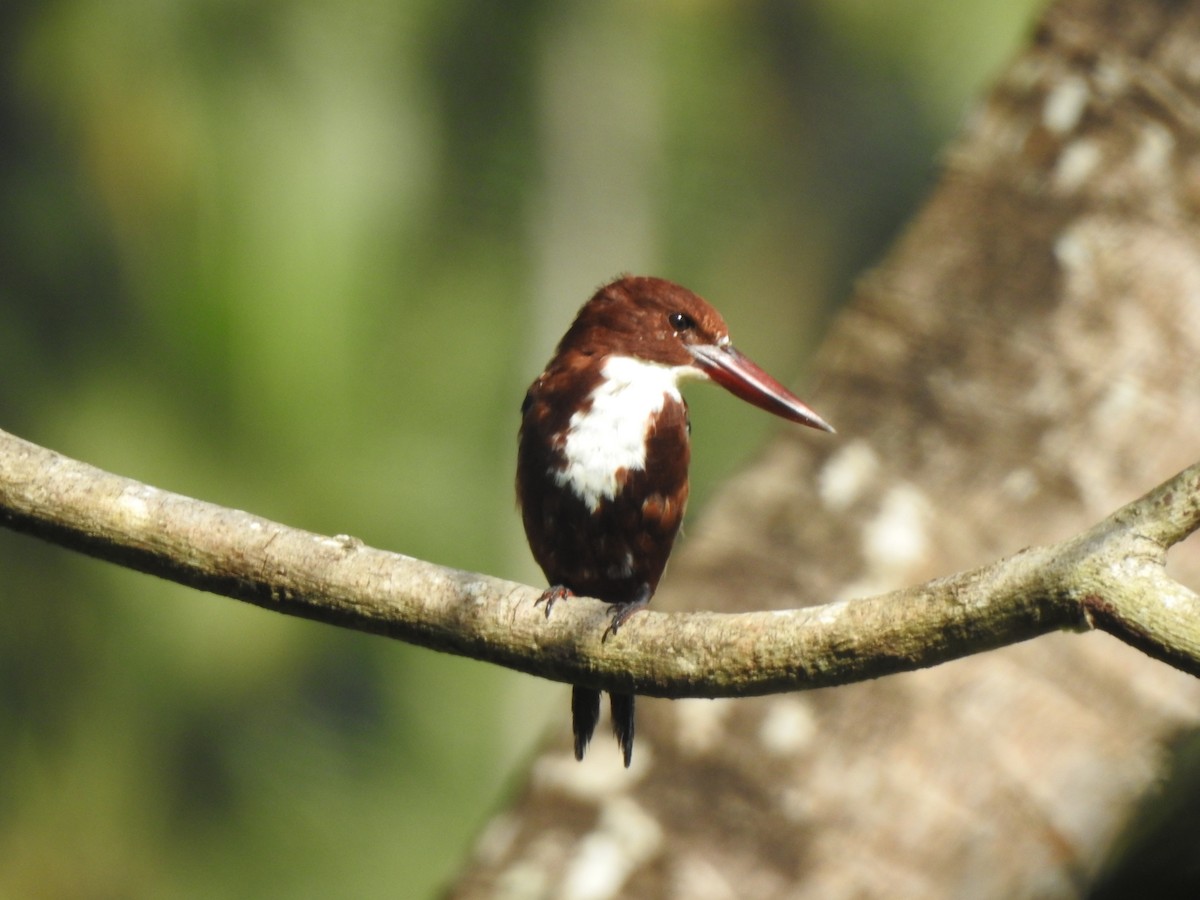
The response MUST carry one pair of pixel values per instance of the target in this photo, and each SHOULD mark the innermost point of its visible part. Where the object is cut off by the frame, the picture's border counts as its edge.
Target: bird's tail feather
(585, 713)
(621, 706)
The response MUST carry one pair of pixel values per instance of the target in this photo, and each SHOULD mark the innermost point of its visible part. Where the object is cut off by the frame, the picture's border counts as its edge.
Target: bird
(604, 447)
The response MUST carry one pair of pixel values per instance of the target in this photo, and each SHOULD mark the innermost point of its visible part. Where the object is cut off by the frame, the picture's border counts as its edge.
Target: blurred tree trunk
(1023, 362)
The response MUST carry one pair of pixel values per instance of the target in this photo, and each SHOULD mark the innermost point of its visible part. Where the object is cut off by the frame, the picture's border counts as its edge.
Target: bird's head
(657, 321)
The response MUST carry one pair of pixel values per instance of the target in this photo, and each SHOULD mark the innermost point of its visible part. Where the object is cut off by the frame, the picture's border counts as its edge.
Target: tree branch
(1111, 577)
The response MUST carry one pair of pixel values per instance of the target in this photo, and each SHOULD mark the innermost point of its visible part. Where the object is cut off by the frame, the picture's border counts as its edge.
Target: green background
(303, 259)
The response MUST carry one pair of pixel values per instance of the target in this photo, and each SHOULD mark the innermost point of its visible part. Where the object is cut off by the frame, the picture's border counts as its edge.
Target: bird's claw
(552, 595)
(623, 614)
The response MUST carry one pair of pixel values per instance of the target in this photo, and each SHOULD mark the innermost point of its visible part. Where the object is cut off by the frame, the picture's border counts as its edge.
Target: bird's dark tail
(621, 707)
(585, 713)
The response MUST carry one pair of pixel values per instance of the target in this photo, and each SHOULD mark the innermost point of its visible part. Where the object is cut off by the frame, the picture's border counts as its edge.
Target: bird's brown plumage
(603, 451)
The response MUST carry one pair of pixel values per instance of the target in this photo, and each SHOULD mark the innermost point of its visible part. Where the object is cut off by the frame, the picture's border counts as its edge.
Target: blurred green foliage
(302, 259)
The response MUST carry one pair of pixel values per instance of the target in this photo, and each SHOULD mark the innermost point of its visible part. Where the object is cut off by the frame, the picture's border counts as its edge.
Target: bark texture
(1022, 362)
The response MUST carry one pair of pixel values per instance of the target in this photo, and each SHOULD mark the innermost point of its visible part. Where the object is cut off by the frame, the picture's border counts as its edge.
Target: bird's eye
(681, 321)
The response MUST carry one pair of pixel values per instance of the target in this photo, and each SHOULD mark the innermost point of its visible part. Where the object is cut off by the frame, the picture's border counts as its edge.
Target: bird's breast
(610, 436)
(602, 476)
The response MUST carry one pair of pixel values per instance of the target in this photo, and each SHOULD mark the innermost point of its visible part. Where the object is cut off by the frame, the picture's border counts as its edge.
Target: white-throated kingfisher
(603, 452)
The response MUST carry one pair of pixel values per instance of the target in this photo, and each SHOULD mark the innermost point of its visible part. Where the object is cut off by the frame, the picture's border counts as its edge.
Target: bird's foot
(625, 611)
(552, 595)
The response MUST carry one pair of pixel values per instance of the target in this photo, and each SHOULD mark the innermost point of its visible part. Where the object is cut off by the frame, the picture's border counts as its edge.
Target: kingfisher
(603, 452)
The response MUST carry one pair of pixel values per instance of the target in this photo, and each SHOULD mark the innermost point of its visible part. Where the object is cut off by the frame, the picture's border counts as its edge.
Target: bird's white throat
(610, 434)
